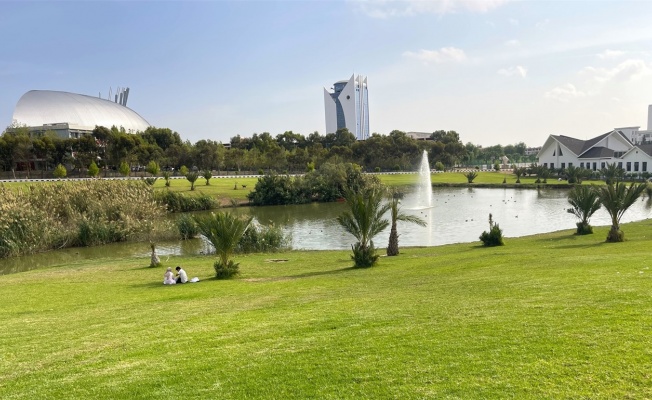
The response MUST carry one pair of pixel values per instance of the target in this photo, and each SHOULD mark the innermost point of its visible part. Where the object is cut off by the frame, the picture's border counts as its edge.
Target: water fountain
(424, 197)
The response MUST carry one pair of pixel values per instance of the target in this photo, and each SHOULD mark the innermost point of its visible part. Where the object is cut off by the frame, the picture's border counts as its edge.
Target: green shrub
(187, 227)
(60, 172)
(124, 169)
(178, 202)
(495, 235)
(439, 166)
(364, 257)
(150, 181)
(227, 271)
(470, 176)
(263, 239)
(93, 170)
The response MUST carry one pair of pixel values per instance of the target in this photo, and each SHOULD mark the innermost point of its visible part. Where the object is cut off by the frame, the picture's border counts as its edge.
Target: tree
(519, 172)
(617, 199)
(470, 176)
(124, 169)
(192, 178)
(224, 231)
(93, 170)
(612, 173)
(397, 215)
(364, 220)
(207, 174)
(60, 172)
(153, 168)
(585, 202)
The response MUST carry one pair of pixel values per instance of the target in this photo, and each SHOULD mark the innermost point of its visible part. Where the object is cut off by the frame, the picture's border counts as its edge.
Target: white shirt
(182, 274)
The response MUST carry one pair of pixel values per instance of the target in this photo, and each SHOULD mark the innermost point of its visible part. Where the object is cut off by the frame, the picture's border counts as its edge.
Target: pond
(457, 215)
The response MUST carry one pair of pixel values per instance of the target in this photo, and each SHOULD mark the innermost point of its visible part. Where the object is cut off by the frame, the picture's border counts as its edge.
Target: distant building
(532, 151)
(629, 148)
(348, 107)
(420, 135)
(70, 115)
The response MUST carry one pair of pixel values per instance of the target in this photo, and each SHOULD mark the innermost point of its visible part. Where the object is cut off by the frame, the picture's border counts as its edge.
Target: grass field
(549, 316)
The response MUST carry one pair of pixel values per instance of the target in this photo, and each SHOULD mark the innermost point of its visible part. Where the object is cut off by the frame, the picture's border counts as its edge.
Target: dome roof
(41, 107)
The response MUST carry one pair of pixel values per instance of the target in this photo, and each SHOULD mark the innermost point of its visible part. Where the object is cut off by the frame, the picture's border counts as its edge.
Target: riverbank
(546, 316)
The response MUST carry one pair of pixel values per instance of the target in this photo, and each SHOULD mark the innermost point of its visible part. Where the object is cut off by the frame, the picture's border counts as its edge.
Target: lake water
(458, 215)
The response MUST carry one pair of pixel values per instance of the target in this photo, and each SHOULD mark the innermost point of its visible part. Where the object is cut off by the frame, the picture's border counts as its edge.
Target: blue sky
(495, 71)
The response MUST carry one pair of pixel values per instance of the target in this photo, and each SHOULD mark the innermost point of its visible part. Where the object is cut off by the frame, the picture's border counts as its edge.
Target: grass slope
(548, 316)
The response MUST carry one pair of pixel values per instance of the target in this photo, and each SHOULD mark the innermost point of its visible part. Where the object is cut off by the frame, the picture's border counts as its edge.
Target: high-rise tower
(348, 107)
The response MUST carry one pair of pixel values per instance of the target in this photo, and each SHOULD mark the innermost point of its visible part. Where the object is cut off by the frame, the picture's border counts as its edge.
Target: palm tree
(224, 231)
(364, 220)
(192, 177)
(585, 202)
(470, 176)
(617, 199)
(397, 215)
(612, 173)
(519, 172)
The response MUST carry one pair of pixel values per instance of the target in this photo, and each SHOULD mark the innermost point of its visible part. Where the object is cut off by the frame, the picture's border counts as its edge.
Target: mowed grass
(549, 316)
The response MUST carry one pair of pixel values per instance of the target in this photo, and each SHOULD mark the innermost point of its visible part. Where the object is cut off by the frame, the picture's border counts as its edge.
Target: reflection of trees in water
(294, 214)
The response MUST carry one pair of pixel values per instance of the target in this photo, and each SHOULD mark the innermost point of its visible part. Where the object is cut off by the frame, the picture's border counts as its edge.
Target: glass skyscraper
(348, 107)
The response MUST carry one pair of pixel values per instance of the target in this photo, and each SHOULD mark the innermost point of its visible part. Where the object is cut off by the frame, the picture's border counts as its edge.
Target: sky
(495, 71)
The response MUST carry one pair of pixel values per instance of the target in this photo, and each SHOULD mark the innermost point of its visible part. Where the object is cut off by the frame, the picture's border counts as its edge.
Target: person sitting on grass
(168, 278)
(182, 277)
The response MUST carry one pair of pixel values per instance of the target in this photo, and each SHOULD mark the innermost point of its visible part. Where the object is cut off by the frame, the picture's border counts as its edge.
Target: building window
(635, 166)
(563, 165)
(620, 164)
(644, 166)
(570, 164)
(629, 166)
(595, 166)
(602, 165)
(545, 165)
(581, 165)
(552, 165)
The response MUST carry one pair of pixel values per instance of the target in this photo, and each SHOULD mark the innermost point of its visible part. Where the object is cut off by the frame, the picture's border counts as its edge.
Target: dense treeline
(287, 152)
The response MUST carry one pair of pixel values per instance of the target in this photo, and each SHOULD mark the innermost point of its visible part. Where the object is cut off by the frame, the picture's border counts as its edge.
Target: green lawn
(550, 316)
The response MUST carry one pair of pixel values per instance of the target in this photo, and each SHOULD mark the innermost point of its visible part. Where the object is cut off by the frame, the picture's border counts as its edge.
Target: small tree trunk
(615, 234)
(155, 261)
(392, 247)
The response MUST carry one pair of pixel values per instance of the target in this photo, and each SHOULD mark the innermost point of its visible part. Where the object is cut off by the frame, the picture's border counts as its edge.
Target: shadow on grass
(299, 276)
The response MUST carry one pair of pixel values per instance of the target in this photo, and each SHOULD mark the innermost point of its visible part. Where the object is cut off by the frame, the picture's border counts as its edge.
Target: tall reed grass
(68, 214)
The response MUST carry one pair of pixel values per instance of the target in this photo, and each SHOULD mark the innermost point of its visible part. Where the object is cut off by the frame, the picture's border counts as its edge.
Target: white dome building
(71, 114)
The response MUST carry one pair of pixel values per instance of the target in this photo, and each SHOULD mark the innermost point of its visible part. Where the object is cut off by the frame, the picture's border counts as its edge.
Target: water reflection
(457, 215)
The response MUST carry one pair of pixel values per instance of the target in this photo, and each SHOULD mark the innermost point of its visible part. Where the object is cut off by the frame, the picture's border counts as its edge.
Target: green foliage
(224, 231)
(617, 199)
(71, 214)
(153, 168)
(226, 271)
(439, 166)
(612, 173)
(397, 215)
(150, 181)
(183, 170)
(495, 235)
(93, 170)
(470, 176)
(364, 257)
(585, 202)
(364, 221)
(187, 226)
(263, 239)
(192, 178)
(496, 166)
(124, 169)
(207, 174)
(166, 176)
(273, 189)
(60, 172)
(179, 202)
(310, 166)
(519, 172)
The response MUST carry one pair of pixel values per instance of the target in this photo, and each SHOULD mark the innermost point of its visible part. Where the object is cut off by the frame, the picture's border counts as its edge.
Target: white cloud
(627, 70)
(512, 43)
(513, 71)
(401, 8)
(564, 93)
(610, 54)
(445, 54)
(513, 22)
